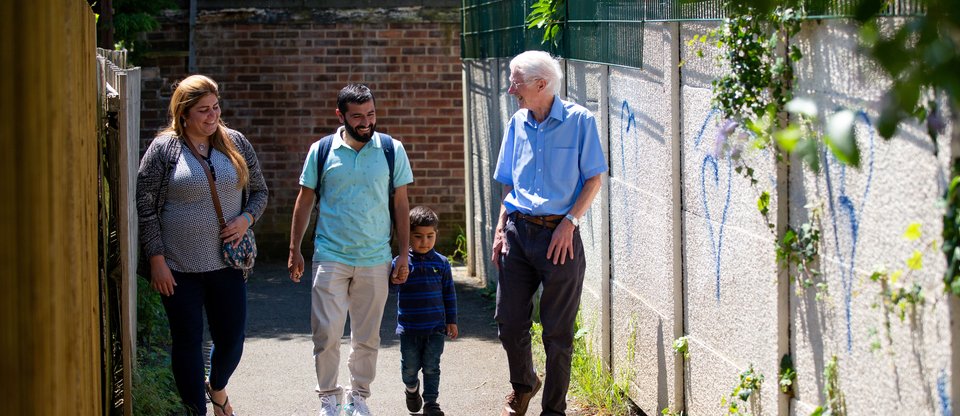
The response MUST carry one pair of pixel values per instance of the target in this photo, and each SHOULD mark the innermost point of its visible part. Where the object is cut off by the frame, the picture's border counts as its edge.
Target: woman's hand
(161, 279)
(236, 228)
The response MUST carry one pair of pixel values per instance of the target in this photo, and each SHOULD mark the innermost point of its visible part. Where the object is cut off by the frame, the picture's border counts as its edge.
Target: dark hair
(421, 216)
(353, 94)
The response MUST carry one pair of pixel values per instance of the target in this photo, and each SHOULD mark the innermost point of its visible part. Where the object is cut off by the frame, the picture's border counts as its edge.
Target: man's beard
(357, 136)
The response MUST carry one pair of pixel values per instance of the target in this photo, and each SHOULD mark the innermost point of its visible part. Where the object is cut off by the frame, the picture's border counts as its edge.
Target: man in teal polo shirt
(351, 258)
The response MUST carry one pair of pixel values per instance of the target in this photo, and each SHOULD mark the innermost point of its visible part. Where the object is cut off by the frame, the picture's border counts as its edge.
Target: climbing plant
(754, 93)
(739, 399)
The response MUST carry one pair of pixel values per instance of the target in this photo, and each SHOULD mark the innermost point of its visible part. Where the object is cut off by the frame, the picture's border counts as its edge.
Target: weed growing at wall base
(591, 382)
(154, 391)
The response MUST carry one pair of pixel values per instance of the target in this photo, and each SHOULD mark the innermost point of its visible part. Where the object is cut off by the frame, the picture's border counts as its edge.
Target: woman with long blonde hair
(181, 236)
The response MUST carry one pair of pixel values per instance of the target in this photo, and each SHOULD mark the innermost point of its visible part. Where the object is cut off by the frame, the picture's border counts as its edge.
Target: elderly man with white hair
(550, 164)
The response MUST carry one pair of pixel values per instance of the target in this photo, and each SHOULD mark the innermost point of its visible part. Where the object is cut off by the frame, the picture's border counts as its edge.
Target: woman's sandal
(221, 406)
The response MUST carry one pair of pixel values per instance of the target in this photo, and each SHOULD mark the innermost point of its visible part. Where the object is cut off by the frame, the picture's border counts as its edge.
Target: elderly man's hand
(561, 244)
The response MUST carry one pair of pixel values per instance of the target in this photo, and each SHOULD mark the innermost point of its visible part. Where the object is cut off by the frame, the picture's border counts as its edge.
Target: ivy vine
(756, 89)
(739, 399)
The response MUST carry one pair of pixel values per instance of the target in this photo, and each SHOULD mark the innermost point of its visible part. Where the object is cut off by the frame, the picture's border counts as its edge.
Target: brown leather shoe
(517, 402)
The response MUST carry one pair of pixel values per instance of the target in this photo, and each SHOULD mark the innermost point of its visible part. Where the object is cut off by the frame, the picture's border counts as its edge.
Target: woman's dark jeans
(223, 293)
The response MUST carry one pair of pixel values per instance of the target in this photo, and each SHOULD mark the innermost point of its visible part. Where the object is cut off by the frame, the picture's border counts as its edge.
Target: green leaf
(801, 105)
(913, 232)
(788, 138)
(809, 152)
(840, 137)
(763, 203)
(896, 276)
(818, 411)
(582, 332)
(915, 261)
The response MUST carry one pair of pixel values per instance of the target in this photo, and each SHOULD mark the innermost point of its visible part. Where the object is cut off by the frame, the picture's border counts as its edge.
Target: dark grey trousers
(522, 270)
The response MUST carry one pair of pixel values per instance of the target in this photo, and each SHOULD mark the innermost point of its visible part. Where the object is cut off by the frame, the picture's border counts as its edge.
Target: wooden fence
(120, 103)
(50, 346)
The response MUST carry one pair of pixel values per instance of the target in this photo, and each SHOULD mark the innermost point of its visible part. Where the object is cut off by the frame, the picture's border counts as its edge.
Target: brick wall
(279, 73)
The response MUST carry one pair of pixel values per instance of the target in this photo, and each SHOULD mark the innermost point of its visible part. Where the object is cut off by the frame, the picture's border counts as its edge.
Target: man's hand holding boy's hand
(400, 271)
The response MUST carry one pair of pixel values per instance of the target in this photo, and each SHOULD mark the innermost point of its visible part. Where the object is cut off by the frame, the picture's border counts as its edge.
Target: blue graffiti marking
(716, 238)
(716, 245)
(945, 408)
(626, 114)
(843, 205)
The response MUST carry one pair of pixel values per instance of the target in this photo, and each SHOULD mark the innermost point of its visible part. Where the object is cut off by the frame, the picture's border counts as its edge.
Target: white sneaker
(356, 405)
(330, 405)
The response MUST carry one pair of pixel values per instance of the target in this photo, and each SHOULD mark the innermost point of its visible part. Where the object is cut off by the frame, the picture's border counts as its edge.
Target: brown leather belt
(549, 221)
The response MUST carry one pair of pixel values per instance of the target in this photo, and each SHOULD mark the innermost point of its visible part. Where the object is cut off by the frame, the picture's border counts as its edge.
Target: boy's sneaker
(329, 405)
(414, 400)
(356, 405)
(432, 409)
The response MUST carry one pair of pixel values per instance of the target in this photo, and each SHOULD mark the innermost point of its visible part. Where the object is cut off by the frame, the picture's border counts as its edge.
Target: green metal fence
(609, 31)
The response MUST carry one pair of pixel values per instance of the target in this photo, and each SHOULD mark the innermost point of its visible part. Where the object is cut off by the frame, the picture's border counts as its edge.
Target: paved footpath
(276, 375)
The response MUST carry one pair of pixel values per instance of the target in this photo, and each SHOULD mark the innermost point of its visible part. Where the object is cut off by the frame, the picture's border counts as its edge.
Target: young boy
(426, 311)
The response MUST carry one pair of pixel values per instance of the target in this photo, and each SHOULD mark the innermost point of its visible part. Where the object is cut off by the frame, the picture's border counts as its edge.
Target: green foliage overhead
(132, 19)
(548, 15)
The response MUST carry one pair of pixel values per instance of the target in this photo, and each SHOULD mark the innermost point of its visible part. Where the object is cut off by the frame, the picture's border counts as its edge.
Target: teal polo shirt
(353, 226)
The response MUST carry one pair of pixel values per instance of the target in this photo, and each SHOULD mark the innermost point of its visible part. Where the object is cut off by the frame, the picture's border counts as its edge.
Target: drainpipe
(192, 57)
(468, 174)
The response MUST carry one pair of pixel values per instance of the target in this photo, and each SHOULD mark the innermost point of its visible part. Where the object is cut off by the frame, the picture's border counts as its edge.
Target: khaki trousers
(361, 291)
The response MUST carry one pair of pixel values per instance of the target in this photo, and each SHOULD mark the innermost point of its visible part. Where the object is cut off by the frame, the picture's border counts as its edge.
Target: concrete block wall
(676, 246)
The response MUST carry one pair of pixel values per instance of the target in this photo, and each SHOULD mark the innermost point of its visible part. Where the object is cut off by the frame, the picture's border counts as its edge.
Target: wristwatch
(573, 220)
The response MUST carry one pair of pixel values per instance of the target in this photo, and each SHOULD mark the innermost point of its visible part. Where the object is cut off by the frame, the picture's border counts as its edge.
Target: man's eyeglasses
(516, 85)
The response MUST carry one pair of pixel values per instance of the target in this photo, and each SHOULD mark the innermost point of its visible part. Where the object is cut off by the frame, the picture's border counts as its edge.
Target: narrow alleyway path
(276, 375)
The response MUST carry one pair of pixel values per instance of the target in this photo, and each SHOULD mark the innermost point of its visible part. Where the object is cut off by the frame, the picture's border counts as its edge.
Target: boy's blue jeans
(422, 352)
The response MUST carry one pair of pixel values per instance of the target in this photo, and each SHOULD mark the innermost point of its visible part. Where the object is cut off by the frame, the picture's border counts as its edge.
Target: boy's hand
(452, 331)
(400, 271)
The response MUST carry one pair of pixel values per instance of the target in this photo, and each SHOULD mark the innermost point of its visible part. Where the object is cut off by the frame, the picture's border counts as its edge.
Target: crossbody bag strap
(213, 188)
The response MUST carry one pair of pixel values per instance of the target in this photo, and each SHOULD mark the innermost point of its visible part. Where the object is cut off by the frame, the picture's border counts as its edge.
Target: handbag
(243, 255)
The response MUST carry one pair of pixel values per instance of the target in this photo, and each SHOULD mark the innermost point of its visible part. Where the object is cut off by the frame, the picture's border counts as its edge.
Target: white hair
(539, 65)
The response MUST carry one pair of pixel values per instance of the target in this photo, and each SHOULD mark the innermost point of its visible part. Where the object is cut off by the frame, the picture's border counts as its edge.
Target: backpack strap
(386, 143)
(323, 150)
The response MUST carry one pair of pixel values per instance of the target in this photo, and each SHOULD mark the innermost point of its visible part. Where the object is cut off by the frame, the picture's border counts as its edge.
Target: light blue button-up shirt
(547, 163)
(353, 226)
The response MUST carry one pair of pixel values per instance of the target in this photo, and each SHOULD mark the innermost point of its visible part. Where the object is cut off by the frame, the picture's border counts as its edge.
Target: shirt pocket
(563, 166)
